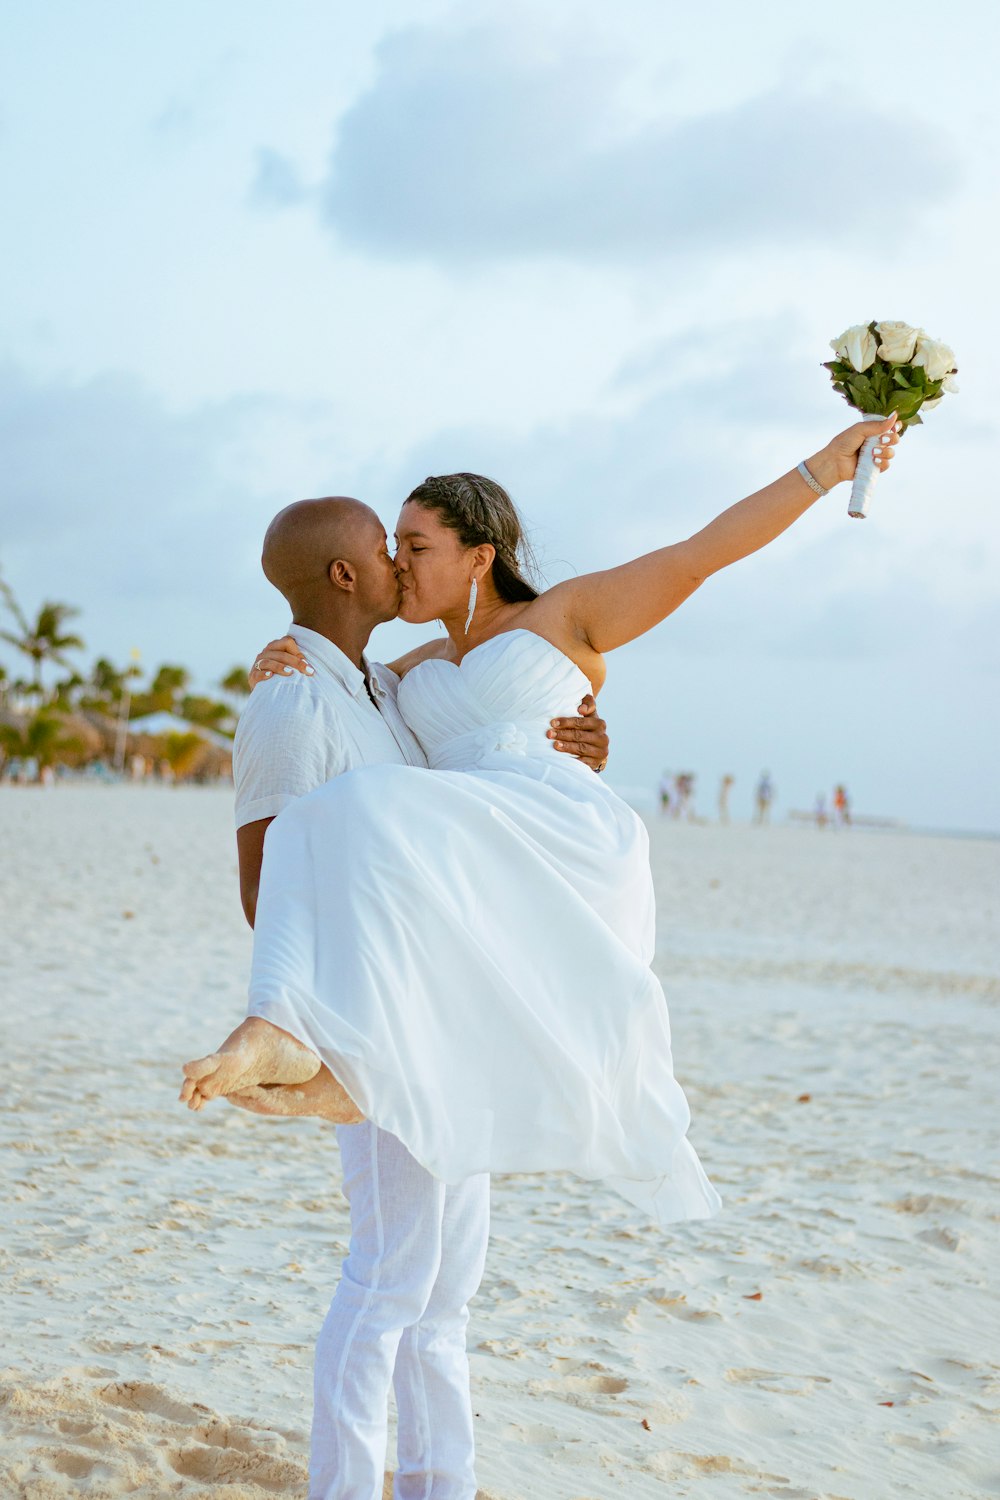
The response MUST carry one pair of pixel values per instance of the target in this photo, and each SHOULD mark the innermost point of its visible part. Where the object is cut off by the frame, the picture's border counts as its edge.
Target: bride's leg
(321, 1097)
(255, 1053)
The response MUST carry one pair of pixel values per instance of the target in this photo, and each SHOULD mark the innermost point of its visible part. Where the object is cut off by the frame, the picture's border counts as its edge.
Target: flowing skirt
(469, 953)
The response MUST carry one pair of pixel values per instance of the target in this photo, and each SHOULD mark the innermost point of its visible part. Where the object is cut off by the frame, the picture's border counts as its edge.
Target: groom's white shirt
(297, 732)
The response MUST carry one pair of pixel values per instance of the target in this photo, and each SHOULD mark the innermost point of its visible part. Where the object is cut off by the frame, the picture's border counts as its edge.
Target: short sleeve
(286, 745)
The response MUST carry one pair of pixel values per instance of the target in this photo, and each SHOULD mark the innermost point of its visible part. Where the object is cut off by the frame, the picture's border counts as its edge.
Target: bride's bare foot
(255, 1053)
(321, 1096)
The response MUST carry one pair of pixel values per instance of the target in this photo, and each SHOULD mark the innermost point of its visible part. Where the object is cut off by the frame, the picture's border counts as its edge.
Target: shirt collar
(321, 653)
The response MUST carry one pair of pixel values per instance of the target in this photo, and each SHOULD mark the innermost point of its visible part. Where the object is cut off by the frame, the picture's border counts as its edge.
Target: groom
(418, 1245)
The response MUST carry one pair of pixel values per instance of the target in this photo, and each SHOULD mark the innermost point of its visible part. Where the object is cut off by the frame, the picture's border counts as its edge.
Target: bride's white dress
(468, 948)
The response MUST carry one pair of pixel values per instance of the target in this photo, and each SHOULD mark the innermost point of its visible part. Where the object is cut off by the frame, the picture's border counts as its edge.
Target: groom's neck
(348, 631)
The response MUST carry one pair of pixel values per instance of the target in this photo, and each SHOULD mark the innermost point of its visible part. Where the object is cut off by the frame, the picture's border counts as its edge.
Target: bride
(466, 950)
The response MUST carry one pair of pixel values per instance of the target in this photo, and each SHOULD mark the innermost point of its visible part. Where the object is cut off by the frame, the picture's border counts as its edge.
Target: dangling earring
(473, 596)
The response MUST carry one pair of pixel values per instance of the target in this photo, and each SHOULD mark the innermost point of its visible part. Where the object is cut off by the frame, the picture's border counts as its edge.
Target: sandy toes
(321, 1097)
(255, 1053)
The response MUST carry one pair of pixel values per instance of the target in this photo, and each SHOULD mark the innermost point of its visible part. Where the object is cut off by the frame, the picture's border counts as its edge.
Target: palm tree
(63, 691)
(161, 696)
(107, 681)
(108, 684)
(182, 752)
(41, 739)
(207, 713)
(44, 640)
(235, 682)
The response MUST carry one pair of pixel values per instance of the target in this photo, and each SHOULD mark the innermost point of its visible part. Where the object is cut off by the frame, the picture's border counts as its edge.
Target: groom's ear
(342, 575)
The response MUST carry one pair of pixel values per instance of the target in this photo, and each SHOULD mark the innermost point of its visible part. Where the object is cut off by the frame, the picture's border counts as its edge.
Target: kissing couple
(453, 921)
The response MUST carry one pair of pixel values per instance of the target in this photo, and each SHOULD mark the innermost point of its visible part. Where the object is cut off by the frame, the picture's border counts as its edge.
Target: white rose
(936, 358)
(857, 345)
(950, 384)
(898, 342)
(930, 405)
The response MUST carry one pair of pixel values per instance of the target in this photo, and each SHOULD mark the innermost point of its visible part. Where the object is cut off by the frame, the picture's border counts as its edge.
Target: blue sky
(254, 252)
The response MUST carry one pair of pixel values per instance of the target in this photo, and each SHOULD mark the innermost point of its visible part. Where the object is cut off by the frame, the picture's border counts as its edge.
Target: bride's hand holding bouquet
(839, 460)
(888, 371)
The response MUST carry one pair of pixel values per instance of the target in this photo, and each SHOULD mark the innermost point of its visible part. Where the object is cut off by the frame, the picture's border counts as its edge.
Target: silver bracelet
(813, 484)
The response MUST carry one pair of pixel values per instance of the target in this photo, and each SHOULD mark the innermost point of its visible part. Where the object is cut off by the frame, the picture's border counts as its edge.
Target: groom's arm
(250, 848)
(285, 747)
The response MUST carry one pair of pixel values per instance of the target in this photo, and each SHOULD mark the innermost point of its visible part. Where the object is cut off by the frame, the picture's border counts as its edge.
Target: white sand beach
(835, 1000)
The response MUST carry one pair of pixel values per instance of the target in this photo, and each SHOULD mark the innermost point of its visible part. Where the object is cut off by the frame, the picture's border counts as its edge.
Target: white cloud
(484, 144)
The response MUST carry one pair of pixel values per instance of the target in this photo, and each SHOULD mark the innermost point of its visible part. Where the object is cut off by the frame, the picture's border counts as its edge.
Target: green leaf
(882, 381)
(863, 396)
(900, 379)
(907, 414)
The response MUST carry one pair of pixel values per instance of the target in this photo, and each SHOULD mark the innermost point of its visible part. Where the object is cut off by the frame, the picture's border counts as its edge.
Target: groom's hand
(585, 737)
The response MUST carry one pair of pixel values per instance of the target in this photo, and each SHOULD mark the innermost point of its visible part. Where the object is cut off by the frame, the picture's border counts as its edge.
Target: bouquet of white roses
(883, 368)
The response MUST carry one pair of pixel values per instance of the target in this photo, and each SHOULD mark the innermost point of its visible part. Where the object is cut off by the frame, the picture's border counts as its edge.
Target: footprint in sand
(135, 1437)
(774, 1380)
(226, 1465)
(536, 1433)
(941, 1239)
(152, 1400)
(604, 1385)
(925, 1203)
(676, 1304)
(73, 1465)
(578, 1379)
(676, 1465)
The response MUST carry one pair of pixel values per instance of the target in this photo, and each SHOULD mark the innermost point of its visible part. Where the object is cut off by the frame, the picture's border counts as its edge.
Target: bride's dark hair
(480, 510)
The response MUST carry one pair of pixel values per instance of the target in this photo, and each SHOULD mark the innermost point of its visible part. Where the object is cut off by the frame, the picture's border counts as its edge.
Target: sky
(254, 253)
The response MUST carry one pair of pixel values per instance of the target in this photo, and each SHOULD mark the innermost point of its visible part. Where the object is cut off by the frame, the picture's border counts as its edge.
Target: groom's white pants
(399, 1317)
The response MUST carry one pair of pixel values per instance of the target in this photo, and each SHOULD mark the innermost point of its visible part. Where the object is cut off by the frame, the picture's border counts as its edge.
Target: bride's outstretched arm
(615, 606)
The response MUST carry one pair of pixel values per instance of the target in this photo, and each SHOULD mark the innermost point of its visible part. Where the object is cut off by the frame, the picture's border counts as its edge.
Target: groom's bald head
(306, 540)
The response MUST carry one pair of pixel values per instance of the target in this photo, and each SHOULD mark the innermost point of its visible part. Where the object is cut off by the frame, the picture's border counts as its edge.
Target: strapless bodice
(495, 703)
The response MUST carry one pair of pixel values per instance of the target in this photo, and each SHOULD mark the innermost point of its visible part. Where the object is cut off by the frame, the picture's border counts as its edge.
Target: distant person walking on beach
(841, 806)
(763, 797)
(725, 786)
(666, 782)
(683, 795)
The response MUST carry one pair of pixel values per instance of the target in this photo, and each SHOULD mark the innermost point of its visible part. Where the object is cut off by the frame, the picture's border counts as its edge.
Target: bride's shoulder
(550, 617)
(439, 649)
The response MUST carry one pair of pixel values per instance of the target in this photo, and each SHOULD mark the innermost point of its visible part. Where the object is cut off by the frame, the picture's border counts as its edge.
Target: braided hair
(480, 510)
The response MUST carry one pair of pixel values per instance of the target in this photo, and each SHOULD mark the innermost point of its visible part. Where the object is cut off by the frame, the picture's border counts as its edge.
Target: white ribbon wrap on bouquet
(866, 472)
